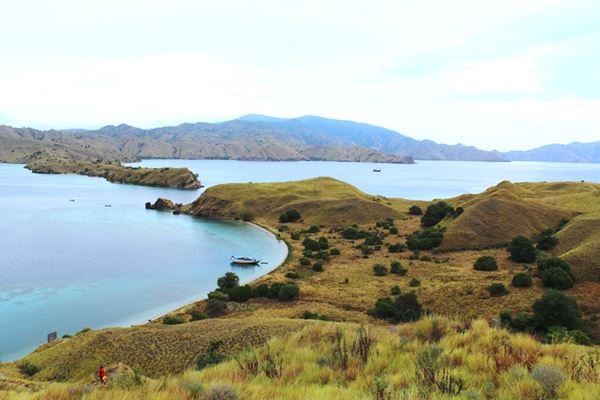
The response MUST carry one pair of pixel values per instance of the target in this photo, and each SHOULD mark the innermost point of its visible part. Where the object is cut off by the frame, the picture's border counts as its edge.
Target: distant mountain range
(572, 152)
(252, 137)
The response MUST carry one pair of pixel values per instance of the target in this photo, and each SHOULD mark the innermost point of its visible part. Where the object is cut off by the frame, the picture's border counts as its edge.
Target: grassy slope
(114, 172)
(491, 363)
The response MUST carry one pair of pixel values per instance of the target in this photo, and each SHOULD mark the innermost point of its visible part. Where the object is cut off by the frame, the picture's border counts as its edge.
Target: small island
(114, 171)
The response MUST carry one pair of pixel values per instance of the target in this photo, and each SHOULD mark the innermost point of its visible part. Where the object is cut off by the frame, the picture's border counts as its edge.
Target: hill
(322, 201)
(572, 152)
(247, 138)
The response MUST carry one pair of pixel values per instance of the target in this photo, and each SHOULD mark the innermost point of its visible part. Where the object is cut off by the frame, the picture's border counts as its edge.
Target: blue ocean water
(66, 265)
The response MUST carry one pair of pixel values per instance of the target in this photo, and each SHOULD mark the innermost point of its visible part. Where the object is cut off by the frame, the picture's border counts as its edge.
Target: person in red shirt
(102, 375)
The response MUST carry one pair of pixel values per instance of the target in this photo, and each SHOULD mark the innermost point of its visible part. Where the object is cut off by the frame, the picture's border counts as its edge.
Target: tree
(497, 289)
(289, 216)
(557, 278)
(425, 240)
(228, 281)
(215, 308)
(288, 292)
(435, 213)
(485, 263)
(522, 250)
(380, 270)
(415, 210)
(521, 279)
(555, 262)
(406, 308)
(547, 241)
(556, 309)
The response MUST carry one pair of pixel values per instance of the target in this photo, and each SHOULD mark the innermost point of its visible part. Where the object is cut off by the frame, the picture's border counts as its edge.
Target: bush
(396, 248)
(315, 245)
(406, 308)
(318, 266)
(173, 320)
(457, 212)
(556, 309)
(485, 263)
(274, 290)
(28, 368)
(218, 295)
(304, 261)
(239, 294)
(379, 270)
(547, 241)
(314, 229)
(497, 289)
(555, 262)
(228, 281)
(395, 290)
(373, 241)
(393, 230)
(396, 268)
(414, 282)
(550, 379)
(289, 216)
(560, 334)
(425, 239)
(334, 252)
(353, 234)
(435, 213)
(557, 278)
(261, 290)
(522, 280)
(212, 357)
(246, 216)
(295, 236)
(293, 275)
(522, 250)
(415, 210)
(313, 315)
(215, 308)
(198, 315)
(288, 292)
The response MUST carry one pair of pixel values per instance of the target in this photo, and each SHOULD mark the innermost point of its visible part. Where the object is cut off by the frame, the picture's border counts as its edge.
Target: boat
(244, 260)
(376, 170)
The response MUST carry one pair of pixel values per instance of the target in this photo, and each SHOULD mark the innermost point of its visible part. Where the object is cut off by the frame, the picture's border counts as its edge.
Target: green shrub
(215, 307)
(404, 309)
(353, 233)
(414, 282)
(379, 270)
(218, 295)
(557, 278)
(212, 356)
(523, 322)
(396, 248)
(173, 320)
(550, 379)
(334, 252)
(555, 262)
(372, 241)
(415, 210)
(457, 212)
(521, 279)
(396, 268)
(395, 290)
(318, 266)
(314, 229)
(246, 216)
(288, 292)
(293, 275)
(295, 236)
(547, 241)
(289, 216)
(497, 289)
(261, 290)
(426, 239)
(316, 245)
(435, 213)
(198, 315)
(228, 281)
(239, 294)
(560, 334)
(485, 263)
(393, 230)
(313, 315)
(556, 309)
(304, 261)
(28, 368)
(521, 250)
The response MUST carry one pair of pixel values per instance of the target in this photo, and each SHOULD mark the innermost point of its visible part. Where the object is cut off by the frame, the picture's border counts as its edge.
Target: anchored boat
(244, 260)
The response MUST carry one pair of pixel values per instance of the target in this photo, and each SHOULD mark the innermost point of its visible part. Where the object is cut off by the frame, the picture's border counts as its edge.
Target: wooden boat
(376, 170)
(244, 260)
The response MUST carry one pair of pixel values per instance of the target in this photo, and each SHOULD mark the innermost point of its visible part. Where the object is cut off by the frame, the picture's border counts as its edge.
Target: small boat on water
(244, 260)
(376, 170)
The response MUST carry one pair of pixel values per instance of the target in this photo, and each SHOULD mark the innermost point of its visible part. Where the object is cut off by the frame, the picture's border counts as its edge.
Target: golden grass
(579, 243)
(323, 362)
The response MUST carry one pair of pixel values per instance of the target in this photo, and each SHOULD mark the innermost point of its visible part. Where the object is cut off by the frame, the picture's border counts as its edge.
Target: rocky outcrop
(162, 204)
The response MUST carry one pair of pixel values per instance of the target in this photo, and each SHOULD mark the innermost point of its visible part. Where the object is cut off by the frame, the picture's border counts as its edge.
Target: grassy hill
(321, 201)
(181, 178)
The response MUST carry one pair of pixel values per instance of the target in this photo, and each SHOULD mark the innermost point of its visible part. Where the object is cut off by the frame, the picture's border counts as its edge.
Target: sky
(499, 75)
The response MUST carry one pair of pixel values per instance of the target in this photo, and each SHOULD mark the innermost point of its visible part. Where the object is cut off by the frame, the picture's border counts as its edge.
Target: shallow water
(66, 265)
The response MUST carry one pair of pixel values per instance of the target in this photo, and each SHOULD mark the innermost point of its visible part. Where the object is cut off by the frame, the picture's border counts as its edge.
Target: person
(102, 375)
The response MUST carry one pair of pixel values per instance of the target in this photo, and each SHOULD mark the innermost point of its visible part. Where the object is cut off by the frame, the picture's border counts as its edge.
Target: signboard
(52, 336)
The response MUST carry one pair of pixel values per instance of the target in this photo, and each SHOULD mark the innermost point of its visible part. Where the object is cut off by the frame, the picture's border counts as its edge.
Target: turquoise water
(69, 265)
(425, 180)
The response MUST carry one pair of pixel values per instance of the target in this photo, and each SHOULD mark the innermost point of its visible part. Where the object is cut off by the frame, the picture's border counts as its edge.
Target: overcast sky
(498, 75)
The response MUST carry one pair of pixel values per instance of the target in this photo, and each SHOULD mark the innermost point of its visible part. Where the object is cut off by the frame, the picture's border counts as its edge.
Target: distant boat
(244, 260)
(107, 205)
(376, 170)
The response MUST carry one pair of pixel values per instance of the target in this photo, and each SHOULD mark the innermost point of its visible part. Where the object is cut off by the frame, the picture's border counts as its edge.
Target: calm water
(425, 180)
(68, 265)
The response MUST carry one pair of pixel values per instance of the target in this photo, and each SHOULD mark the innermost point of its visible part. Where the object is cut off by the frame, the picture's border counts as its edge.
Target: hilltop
(572, 152)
